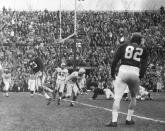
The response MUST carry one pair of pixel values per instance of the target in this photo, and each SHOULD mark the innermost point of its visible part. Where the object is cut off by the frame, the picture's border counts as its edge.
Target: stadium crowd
(24, 34)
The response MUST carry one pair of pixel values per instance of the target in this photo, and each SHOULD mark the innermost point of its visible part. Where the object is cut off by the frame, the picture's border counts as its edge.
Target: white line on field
(106, 109)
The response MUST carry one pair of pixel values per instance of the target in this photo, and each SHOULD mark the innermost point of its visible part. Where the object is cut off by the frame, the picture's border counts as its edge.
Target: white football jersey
(7, 78)
(82, 81)
(73, 78)
(141, 89)
(61, 75)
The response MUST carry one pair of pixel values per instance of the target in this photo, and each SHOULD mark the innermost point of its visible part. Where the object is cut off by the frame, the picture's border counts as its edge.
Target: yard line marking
(110, 110)
(99, 107)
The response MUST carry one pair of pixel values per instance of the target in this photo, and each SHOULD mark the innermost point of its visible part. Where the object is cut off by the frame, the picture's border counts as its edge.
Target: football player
(37, 67)
(103, 90)
(60, 82)
(6, 80)
(55, 81)
(72, 84)
(143, 94)
(82, 84)
(133, 63)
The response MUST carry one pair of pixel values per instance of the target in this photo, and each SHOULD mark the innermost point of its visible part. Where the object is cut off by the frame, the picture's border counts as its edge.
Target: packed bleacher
(25, 34)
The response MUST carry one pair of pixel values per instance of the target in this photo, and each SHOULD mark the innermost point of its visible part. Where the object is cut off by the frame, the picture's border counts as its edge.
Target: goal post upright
(72, 35)
(75, 36)
(60, 19)
(75, 18)
(75, 24)
(60, 36)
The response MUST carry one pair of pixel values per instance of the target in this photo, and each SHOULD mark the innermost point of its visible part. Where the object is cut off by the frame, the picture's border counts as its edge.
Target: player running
(62, 73)
(37, 67)
(72, 84)
(133, 63)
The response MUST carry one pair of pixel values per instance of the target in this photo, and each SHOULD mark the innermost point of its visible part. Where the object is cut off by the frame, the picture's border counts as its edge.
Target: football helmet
(66, 70)
(6, 70)
(81, 71)
(63, 64)
(136, 38)
(58, 69)
(39, 73)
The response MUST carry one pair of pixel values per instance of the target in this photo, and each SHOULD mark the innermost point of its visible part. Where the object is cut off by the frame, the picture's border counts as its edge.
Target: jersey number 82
(133, 53)
(33, 64)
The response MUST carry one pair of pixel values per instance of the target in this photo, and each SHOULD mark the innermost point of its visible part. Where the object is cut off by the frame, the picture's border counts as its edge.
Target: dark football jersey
(36, 65)
(131, 54)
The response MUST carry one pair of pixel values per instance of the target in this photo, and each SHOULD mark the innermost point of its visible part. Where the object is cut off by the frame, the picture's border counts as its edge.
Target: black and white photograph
(82, 65)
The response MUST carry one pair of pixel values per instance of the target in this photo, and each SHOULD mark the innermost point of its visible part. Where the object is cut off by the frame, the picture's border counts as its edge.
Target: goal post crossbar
(61, 41)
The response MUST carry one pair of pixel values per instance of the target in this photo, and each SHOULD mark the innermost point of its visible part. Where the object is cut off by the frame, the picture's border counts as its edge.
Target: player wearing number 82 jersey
(132, 57)
(131, 54)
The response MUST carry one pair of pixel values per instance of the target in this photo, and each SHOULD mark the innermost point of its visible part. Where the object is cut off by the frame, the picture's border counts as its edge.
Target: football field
(21, 112)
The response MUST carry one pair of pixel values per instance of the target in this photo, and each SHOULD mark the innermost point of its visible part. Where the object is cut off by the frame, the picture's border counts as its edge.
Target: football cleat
(131, 122)
(71, 104)
(54, 95)
(58, 102)
(142, 99)
(7, 95)
(111, 124)
(150, 99)
(63, 97)
(49, 101)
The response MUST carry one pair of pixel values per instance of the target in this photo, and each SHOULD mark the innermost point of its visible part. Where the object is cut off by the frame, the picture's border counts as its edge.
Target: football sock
(129, 115)
(63, 97)
(7, 94)
(74, 98)
(114, 116)
(46, 96)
